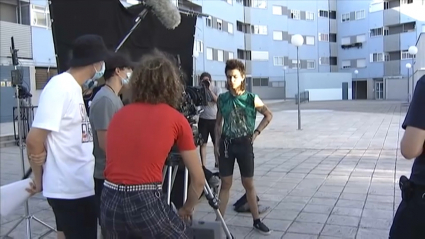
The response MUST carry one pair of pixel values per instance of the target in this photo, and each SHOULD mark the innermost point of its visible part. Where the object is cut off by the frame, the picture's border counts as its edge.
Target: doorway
(359, 90)
(379, 90)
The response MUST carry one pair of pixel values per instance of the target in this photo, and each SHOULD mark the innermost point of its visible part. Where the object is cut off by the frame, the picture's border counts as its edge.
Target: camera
(206, 83)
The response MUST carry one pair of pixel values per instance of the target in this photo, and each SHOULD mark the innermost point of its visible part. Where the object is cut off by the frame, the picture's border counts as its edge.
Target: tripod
(27, 217)
(170, 171)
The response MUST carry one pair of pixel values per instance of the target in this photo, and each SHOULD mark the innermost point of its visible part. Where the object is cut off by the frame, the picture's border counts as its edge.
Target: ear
(117, 71)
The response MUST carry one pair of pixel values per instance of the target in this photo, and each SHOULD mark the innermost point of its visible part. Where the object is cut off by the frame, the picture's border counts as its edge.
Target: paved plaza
(336, 178)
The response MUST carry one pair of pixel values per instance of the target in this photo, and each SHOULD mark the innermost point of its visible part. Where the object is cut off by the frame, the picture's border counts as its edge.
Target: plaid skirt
(140, 214)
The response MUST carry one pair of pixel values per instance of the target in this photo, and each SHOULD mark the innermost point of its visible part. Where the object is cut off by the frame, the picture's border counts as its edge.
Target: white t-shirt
(68, 171)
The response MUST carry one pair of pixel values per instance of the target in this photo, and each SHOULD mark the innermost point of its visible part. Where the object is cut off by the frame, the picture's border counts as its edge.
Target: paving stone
(339, 231)
(343, 220)
(290, 235)
(306, 227)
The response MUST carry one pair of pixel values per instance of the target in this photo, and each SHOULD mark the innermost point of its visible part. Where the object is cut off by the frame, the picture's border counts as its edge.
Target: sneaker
(262, 228)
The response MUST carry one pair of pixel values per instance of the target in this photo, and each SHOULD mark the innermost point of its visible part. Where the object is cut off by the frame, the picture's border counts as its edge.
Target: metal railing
(304, 97)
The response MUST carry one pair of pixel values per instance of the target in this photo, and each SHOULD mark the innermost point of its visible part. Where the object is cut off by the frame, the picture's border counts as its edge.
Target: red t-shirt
(139, 138)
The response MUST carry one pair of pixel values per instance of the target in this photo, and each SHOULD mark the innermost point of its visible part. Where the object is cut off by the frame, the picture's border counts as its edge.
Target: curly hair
(234, 64)
(156, 79)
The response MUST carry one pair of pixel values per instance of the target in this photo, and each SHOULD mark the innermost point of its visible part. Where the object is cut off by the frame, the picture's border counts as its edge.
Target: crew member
(104, 105)
(208, 116)
(235, 138)
(61, 127)
(140, 136)
(409, 220)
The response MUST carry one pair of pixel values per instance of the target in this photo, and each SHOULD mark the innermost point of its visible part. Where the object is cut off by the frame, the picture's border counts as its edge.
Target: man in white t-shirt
(62, 131)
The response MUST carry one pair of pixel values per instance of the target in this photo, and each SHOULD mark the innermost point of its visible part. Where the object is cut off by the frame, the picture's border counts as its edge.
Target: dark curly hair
(156, 79)
(234, 64)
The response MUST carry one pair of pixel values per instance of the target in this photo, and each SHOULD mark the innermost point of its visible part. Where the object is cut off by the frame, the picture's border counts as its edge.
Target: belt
(235, 140)
(133, 188)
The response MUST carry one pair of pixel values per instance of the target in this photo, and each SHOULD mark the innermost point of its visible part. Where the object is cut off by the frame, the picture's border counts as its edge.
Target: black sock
(256, 221)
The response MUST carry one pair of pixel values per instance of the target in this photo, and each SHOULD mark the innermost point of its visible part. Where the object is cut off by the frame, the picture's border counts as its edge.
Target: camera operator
(62, 129)
(409, 220)
(208, 117)
(140, 137)
(105, 104)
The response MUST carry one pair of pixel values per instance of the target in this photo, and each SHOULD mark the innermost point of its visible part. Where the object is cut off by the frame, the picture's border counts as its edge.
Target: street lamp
(408, 66)
(284, 77)
(194, 56)
(413, 50)
(355, 77)
(297, 40)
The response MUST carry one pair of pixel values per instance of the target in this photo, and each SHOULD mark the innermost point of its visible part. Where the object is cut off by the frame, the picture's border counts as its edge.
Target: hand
(34, 187)
(254, 136)
(185, 213)
(38, 159)
(217, 150)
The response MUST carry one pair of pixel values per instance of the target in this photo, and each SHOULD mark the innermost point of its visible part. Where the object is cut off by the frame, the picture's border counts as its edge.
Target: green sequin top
(239, 114)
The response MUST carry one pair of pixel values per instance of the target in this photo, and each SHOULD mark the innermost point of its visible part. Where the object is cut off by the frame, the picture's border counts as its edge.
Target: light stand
(297, 40)
(195, 57)
(17, 82)
(355, 77)
(139, 19)
(408, 66)
(413, 50)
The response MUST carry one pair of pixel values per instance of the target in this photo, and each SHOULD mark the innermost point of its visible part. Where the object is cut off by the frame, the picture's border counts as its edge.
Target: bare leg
(251, 196)
(226, 184)
(60, 235)
(203, 152)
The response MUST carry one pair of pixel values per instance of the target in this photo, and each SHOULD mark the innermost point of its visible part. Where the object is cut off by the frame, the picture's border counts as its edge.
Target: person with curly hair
(140, 137)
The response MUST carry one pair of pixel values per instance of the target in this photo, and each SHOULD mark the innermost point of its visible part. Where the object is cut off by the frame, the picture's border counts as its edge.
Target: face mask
(91, 83)
(125, 81)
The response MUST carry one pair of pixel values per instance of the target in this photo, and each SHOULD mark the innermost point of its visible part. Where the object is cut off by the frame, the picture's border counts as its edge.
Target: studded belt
(133, 188)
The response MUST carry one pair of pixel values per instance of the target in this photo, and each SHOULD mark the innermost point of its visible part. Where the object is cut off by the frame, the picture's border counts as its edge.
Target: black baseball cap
(117, 60)
(88, 49)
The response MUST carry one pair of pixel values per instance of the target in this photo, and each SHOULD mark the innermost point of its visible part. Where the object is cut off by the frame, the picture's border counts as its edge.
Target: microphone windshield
(167, 13)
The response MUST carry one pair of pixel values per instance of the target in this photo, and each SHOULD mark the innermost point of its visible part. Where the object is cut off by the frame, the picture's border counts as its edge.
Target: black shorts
(76, 218)
(98, 186)
(206, 128)
(409, 220)
(240, 149)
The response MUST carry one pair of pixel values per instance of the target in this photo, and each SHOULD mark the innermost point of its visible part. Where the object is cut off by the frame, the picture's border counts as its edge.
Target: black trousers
(409, 220)
(206, 128)
(240, 150)
(76, 218)
(98, 187)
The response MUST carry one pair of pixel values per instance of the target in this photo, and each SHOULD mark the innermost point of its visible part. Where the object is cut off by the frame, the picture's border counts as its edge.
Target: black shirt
(416, 118)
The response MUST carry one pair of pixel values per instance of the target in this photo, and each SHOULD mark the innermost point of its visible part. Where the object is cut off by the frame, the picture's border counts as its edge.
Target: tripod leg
(185, 184)
(170, 170)
(214, 203)
(43, 223)
(14, 227)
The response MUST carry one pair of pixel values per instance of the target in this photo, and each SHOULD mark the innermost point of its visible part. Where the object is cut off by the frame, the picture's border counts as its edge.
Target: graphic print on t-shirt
(86, 132)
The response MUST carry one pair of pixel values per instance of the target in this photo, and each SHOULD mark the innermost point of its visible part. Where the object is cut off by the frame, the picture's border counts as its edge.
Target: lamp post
(194, 56)
(297, 40)
(408, 66)
(355, 77)
(284, 77)
(413, 50)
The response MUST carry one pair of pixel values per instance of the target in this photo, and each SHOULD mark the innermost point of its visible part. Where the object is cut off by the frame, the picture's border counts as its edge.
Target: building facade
(368, 39)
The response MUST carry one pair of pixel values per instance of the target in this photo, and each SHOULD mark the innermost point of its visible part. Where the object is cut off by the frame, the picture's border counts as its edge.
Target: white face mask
(125, 81)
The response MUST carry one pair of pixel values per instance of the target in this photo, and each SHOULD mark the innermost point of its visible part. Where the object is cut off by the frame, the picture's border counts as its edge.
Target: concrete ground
(336, 178)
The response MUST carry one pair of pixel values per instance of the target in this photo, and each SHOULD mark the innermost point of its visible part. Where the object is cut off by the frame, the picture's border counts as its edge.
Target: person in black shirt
(409, 220)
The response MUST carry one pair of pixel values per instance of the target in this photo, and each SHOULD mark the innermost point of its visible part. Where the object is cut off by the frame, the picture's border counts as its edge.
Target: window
(345, 41)
(219, 24)
(278, 35)
(208, 21)
(277, 10)
(378, 57)
(323, 13)
(230, 27)
(295, 65)
(361, 63)
(259, 3)
(406, 1)
(324, 61)
(386, 31)
(311, 64)
(40, 16)
(361, 38)
(309, 40)
(360, 14)
(323, 37)
(258, 29)
(345, 17)
(332, 37)
(209, 54)
(405, 55)
(43, 75)
(231, 56)
(346, 64)
(278, 60)
(376, 7)
(260, 81)
(243, 54)
(376, 32)
(309, 16)
(386, 5)
(220, 56)
(260, 55)
(199, 46)
(295, 14)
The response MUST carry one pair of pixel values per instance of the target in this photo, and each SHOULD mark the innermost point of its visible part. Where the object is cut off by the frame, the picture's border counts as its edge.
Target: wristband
(259, 132)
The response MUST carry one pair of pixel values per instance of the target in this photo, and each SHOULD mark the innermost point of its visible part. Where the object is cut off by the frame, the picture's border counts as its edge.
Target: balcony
(190, 5)
(22, 37)
(391, 16)
(392, 43)
(392, 68)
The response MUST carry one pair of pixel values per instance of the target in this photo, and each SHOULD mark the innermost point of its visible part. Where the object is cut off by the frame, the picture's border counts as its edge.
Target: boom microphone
(167, 13)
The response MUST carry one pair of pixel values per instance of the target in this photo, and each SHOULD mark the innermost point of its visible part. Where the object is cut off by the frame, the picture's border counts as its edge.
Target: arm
(215, 93)
(35, 146)
(192, 162)
(413, 140)
(262, 108)
(218, 126)
(101, 113)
